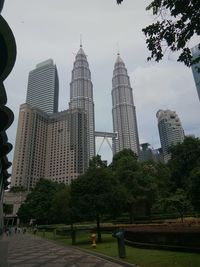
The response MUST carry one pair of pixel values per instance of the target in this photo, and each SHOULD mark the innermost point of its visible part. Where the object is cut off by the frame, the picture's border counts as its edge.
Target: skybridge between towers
(106, 136)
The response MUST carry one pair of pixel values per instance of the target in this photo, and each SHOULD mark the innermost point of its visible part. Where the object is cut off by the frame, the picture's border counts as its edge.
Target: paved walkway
(31, 251)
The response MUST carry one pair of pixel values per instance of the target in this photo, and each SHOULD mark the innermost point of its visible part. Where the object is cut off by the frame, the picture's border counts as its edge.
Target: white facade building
(170, 131)
(123, 110)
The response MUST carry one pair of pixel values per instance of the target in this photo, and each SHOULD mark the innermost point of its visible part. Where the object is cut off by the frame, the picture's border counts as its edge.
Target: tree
(195, 188)
(144, 183)
(38, 202)
(148, 185)
(177, 22)
(179, 202)
(126, 169)
(60, 207)
(162, 179)
(96, 193)
(184, 158)
(16, 189)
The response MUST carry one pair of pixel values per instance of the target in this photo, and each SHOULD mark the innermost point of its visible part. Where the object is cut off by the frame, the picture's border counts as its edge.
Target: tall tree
(96, 193)
(60, 207)
(195, 188)
(177, 21)
(126, 168)
(38, 202)
(184, 158)
(148, 185)
(178, 202)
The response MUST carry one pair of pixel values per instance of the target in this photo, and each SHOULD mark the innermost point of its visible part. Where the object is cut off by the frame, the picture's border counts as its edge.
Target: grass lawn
(141, 257)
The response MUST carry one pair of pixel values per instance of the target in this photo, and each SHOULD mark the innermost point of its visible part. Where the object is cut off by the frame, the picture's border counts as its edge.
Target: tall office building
(43, 87)
(81, 95)
(51, 146)
(123, 110)
(196, 73)
(170, 131)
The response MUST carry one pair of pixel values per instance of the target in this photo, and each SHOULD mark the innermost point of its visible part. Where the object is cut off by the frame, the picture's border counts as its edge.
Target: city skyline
(167, 85)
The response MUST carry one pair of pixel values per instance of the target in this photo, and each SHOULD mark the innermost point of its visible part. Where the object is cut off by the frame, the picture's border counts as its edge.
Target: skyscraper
(81, 95)
(43, 87)
(170, 131)
(123, 110)
(196, 73)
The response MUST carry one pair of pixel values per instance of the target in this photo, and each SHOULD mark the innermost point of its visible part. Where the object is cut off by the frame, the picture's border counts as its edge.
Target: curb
(108, 258)
(102, 256)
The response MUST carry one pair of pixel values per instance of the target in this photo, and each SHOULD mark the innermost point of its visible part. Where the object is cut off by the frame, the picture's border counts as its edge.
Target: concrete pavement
(25, 250)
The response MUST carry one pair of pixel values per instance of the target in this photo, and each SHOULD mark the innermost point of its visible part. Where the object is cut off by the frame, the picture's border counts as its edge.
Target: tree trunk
(131, 215)
(73, 235)
(182, 217)
(98, 229)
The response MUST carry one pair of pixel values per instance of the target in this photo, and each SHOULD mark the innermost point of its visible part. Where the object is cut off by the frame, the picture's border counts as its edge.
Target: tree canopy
(126, 187)
(176, 23)
(60, 209)
(38, 202)
(184, 158)
(96, 193)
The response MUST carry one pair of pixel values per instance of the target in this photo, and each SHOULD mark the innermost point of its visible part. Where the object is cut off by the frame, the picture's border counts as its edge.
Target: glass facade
(43, 87)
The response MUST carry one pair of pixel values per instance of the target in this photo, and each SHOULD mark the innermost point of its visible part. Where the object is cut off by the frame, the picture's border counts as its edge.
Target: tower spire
(118, 53)
(81, 45)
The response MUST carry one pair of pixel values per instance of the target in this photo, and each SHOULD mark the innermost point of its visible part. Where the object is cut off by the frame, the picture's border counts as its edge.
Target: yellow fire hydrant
(93, 236)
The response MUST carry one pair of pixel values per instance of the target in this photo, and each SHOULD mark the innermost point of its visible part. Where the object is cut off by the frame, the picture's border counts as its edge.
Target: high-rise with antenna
(81, 95)
(123, 110)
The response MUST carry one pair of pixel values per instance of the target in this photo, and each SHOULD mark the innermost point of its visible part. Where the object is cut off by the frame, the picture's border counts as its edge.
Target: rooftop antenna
(118, 49)
(81, 45)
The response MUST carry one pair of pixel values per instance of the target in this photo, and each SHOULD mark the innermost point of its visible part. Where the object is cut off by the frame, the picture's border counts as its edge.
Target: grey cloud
(51, 29)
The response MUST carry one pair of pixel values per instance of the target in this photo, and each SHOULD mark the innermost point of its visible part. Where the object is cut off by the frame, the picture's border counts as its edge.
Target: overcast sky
(51, 29)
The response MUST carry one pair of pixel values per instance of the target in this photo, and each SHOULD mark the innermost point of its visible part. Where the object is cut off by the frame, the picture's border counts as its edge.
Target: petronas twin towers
(123, 109)
(58, 145)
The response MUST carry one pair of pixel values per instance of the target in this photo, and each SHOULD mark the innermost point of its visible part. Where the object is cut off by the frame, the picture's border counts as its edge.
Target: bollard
(121, 244)
(93, 236)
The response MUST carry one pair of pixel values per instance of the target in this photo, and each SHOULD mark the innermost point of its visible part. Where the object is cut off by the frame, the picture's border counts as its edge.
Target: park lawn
(141, 257)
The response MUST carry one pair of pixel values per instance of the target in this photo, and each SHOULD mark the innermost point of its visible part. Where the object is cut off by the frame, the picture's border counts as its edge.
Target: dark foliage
(184, 158)
(38, 202)
(177, 21)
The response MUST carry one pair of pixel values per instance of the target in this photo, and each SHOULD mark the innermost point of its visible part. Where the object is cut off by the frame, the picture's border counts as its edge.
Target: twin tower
(58, 145)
